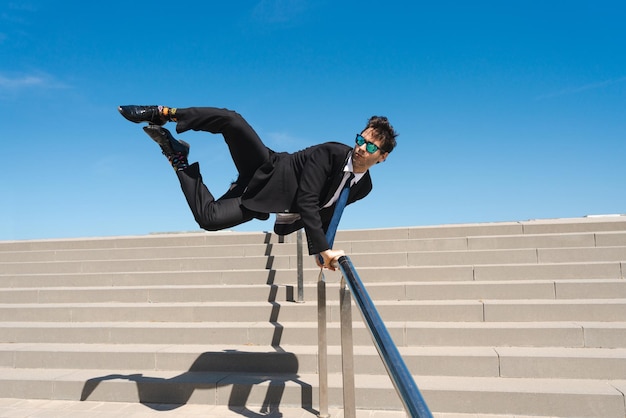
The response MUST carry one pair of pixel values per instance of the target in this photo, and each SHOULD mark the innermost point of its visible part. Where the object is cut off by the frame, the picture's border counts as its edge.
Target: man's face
(363, 160)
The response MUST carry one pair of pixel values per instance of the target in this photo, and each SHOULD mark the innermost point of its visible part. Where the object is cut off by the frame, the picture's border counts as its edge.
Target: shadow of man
(211, 370)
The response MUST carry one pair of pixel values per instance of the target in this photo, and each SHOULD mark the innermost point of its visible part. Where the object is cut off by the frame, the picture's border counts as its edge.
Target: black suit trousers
(248, 153)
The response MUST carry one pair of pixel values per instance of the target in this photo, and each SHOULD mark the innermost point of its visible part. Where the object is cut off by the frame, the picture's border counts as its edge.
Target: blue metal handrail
(404, 383)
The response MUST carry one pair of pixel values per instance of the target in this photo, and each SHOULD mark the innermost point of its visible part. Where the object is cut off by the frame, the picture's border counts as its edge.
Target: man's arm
(316, 174)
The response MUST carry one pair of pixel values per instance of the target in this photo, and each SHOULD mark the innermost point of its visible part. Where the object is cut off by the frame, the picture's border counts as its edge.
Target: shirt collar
(349, 168)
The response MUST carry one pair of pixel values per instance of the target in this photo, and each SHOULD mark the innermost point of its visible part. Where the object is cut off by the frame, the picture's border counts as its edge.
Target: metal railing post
(300, 267)
(322, 346)
(347, 351)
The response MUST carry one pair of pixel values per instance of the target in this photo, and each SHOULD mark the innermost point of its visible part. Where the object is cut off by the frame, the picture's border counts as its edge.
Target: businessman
(301, 188)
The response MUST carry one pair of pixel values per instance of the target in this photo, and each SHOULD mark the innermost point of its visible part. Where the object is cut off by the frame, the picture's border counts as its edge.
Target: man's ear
(382, 158)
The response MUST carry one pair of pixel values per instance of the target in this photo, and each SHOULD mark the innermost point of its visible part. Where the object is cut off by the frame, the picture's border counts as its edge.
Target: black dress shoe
(150, 114)
(170, 146)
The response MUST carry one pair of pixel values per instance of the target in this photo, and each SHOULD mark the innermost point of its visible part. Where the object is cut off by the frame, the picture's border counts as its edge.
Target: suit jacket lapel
(336, 180)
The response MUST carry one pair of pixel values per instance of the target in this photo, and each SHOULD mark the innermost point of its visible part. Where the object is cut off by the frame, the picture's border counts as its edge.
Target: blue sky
(507, 110)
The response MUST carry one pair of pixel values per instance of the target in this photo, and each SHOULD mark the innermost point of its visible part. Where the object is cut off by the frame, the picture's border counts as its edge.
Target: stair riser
(606, 311)
(371, 364)
(289, 277)
(158, 265)
(561, 243)
(151, 295)
(460, 311)
(486, 364)
(149, 241)
(552, 272)
(409, 291)
(561, 335)
(57, 251)
(411, 259)
(154, 253)
(609, 405)
(579, 226)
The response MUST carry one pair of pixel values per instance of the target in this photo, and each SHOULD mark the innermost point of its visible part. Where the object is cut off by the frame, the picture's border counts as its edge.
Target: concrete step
(471, 290)
(152, 294)
(379, 260)
(449, 310)
(57, 409)
(480, 243)
(245, 311)
(569, 225)
(199, 238)
(148, 265)
(553, 397)
(510, 362)
(532, 227)
(475, 243)
(454, 310)
(573, 240)
(36, 407)
(142, 253)
(568, 334)
(450, 361)
(514, 256)
(555, 271)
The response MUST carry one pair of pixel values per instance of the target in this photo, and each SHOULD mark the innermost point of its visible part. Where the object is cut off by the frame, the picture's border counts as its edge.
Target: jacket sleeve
(316, 175)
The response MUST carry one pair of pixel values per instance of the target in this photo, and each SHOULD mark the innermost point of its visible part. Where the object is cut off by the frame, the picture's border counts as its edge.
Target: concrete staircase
(519, 318)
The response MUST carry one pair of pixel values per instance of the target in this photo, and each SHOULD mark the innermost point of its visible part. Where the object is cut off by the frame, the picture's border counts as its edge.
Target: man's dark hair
(383, 131)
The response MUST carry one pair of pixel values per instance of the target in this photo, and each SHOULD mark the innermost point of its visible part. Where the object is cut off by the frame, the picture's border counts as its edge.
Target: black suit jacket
(303, 182)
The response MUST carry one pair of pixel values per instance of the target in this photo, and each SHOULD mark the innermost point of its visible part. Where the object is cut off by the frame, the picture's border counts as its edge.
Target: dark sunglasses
(369, 147)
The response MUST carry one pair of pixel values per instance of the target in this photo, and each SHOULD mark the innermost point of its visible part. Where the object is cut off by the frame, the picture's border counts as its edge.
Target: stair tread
(309, 324)
(564, 352)
(603, 301)
(425, 383)
(74, 408)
